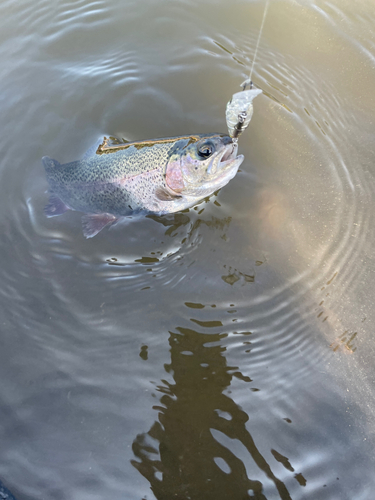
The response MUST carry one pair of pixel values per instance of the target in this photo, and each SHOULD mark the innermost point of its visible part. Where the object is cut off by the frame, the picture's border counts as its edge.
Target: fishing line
(240, 108)
(259, 37)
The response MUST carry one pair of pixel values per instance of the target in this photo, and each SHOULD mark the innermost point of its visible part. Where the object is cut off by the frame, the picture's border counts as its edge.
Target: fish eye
(205, 150)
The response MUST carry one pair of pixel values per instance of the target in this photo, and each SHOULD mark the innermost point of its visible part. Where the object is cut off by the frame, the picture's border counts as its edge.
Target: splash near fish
(159, 176)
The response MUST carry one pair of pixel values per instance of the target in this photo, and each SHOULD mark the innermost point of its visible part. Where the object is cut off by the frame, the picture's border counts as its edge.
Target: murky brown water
(224, 352)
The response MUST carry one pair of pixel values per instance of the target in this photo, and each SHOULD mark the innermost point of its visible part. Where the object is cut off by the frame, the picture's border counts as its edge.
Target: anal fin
(92, 224)
(55, 206)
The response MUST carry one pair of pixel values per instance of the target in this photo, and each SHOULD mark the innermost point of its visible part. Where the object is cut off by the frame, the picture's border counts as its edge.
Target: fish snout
(230, 152)
(223, 158)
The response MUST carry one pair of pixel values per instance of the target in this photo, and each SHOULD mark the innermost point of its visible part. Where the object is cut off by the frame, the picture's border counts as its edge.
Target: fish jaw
(227, 170)
(223, 167)
(222, 160)
(183, 201)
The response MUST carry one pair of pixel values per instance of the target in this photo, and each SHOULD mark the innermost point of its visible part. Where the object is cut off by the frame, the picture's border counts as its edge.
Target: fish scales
(116, 183)
(160, 176)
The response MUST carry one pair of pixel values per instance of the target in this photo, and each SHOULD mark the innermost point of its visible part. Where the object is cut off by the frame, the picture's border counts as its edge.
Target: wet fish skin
(158, 176)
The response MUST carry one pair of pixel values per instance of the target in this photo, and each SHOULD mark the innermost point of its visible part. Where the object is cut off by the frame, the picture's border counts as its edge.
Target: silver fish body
(159, 176)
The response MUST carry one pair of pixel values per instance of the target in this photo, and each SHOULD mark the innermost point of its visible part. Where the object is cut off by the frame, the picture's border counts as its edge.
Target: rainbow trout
(160, 176)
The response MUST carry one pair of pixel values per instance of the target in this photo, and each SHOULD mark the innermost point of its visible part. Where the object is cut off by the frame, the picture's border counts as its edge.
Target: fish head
(202, 166)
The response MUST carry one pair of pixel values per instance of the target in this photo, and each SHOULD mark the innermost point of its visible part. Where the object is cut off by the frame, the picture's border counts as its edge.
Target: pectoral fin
(55, 206)
(92, 224)
(163, 195)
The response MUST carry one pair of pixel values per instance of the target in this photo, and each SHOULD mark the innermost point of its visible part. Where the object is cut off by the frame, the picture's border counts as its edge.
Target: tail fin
(49, 163)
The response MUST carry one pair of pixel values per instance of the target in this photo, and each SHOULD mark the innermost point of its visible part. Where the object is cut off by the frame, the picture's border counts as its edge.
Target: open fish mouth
(230, 152)
(225, 163)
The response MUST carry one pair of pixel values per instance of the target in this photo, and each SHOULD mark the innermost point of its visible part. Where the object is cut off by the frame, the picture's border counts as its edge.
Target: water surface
(222, 352)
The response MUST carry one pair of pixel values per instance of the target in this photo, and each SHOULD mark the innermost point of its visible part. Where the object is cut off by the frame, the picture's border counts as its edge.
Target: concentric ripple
(221, 352)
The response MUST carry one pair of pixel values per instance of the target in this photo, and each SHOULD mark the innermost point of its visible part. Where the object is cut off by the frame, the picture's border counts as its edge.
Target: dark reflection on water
(174, 222)
(180, 455)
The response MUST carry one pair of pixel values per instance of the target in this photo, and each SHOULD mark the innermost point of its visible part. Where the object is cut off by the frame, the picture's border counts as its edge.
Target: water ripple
(231, 314)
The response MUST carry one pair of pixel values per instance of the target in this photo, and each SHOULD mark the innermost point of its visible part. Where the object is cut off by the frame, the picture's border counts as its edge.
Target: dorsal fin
(101, 144)
(111, 144)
